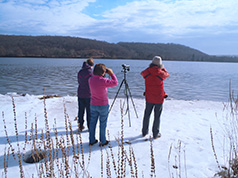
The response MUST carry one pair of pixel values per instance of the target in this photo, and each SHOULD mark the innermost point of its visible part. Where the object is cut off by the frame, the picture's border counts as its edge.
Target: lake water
(187, 81)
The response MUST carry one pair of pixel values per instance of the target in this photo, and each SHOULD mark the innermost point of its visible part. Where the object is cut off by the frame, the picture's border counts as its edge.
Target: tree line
(75, 47)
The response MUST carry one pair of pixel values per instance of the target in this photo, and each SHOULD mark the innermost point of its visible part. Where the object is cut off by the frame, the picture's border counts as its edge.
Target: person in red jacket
(154, 76)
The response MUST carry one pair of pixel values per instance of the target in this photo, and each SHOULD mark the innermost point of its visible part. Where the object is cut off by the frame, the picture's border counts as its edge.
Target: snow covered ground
(185, 128)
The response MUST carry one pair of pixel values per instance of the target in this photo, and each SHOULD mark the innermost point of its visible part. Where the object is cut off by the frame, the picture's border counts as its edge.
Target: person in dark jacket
(84, 93)
(154, 76)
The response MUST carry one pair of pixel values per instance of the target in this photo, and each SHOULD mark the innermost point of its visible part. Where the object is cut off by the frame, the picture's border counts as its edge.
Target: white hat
(157, 60)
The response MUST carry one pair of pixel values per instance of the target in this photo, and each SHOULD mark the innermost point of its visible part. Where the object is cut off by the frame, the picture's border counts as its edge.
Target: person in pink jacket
(99, 101)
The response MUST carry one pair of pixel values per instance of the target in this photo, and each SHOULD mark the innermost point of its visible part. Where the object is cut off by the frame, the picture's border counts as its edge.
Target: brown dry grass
(63, 156)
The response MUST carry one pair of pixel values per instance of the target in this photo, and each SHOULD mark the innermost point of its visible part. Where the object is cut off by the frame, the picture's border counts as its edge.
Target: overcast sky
(210, 26)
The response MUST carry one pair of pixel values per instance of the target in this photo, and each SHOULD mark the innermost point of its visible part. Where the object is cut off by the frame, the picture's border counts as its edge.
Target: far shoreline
(38, 57)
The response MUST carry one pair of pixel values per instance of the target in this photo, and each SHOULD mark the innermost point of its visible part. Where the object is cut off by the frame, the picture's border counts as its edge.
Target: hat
(157, 60)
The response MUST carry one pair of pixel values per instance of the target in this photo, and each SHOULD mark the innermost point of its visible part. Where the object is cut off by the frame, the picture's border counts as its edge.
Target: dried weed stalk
(231, 134)
(112, 155)
(152, 159)
(17, 138)
(62, 158)
(177, 166)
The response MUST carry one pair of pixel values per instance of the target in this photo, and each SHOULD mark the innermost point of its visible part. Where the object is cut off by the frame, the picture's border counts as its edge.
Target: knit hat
(157, 60)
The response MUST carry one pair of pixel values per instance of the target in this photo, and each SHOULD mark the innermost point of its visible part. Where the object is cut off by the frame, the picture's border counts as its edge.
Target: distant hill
(166, 51)
(73, 47)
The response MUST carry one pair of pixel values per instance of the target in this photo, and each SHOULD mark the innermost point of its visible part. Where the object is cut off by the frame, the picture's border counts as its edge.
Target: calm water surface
(187, 81)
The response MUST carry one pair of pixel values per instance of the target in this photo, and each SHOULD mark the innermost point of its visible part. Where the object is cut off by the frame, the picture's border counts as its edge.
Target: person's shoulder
(155, 69)
(145, 70)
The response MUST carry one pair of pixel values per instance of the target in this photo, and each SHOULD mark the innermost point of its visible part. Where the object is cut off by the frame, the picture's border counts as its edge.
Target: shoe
(104, 143)
(91, 144)
(81, 127)
(158, 136)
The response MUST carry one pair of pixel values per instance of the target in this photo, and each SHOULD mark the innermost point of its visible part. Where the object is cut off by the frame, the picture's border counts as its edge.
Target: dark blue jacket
(83, 75)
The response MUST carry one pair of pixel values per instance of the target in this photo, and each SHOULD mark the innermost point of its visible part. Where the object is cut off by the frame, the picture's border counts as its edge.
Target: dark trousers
(83, 104)
(146, 120)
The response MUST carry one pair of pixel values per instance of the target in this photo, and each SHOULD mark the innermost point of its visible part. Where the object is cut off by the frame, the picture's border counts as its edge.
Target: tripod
(127, 90)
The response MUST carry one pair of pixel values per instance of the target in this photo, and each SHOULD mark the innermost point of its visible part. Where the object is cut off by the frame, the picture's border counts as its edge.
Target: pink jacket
(98, 86)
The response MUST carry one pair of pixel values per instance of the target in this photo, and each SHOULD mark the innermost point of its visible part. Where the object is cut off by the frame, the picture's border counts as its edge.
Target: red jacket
(154, 86)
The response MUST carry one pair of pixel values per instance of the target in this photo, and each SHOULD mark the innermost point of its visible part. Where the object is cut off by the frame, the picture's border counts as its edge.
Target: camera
(126, 67)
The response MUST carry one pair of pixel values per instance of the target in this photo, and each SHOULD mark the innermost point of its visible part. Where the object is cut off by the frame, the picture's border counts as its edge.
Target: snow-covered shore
(185, 128)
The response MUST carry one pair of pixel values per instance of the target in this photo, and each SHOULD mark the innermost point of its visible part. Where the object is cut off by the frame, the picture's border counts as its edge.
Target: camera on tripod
(127, 92)
(125, 67)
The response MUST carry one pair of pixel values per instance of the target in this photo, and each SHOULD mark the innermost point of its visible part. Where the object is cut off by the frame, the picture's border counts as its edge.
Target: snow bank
(185, 128)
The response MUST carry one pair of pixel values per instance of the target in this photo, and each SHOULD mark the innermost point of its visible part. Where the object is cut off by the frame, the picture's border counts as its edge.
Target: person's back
(84, 94)
(83, 75)
(154, 76)
(154, 85)
(99, 102)
(98, 87)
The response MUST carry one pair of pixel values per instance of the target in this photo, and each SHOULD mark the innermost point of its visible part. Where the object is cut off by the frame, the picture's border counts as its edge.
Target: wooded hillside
(73, 47)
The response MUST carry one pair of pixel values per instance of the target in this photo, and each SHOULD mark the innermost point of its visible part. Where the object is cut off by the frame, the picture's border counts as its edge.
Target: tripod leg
(116, 95)
(131, 98)
(127, 101)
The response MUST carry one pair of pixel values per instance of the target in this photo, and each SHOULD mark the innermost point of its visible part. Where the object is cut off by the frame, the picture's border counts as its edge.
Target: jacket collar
(86, 65)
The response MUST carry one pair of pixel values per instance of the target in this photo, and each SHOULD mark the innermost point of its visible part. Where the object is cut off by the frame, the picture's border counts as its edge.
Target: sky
(210, 26)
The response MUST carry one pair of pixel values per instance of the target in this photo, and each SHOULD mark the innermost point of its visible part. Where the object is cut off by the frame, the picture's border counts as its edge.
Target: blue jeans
(83, 103)
(101, 113)
(157, 113)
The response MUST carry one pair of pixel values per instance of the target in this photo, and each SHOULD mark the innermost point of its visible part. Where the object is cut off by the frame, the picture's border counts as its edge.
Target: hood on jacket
(86, 65)
(83, 75)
